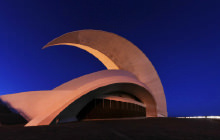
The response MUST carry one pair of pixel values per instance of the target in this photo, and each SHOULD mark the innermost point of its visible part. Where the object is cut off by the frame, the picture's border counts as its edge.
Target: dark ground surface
(142, 129)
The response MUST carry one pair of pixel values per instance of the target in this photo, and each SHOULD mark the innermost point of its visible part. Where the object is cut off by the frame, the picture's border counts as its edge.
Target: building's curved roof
(116, 52)
(129, 71)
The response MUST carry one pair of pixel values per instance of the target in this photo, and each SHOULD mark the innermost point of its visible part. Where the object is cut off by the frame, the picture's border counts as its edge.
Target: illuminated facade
(130, 87)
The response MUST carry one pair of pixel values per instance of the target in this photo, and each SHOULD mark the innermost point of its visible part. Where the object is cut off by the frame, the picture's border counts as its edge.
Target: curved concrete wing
(41, 107)
(33, 103)
(116, 52)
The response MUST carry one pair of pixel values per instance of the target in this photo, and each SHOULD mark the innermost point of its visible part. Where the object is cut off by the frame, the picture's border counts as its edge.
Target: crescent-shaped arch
(117, 53)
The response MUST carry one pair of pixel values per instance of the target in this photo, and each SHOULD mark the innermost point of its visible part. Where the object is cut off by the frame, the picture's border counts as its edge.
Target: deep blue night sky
(180, 37)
